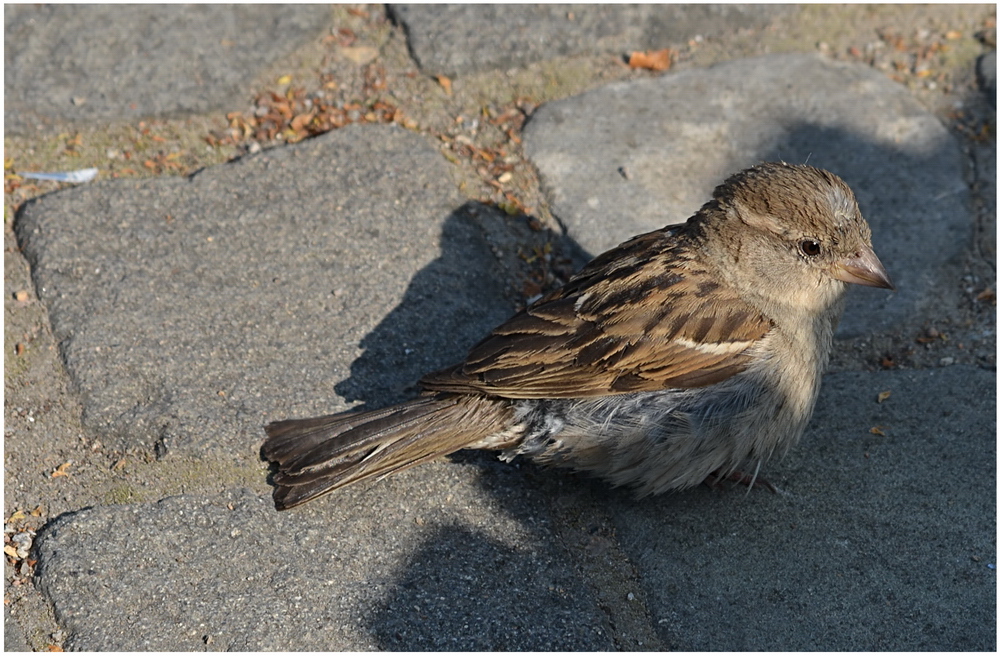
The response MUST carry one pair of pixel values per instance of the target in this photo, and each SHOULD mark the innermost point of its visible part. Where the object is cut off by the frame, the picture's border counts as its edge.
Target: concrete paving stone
(985, 157)
(463, 39)
(630, 157)
(443, 557)
(986, 74)
(13, 635)
(190, 312)
(877, 542)
(83, 63)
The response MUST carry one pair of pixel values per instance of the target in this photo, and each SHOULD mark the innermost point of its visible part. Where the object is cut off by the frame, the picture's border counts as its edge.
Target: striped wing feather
(642, 317)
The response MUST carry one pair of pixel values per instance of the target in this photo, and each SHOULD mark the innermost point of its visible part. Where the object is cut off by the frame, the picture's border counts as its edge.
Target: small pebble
(947, 362)
(22, 543)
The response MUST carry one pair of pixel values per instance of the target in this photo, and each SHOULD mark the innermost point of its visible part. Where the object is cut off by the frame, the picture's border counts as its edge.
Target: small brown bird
(683, 355)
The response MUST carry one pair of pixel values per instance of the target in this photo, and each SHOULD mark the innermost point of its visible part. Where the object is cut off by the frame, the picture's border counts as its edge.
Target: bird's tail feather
(315, 456)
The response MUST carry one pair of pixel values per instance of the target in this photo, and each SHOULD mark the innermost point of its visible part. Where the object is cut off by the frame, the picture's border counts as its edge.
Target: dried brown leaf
(301, 121)
(653, 60)
(360, 55)
(61, 470)
(445, 83)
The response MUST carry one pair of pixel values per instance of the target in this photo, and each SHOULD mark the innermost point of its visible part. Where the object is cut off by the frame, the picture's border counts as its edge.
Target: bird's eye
(809, 247)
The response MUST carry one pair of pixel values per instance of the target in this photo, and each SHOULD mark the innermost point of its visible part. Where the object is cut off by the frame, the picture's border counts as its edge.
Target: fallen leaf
(654, 60)
(531, 288)
(284, 108)
(61, 470)
(445, 83)
(302, 120)
(951, 35)
(882, 396)
(344, 36)
(360, 55)
(877, 430)
(284, 79)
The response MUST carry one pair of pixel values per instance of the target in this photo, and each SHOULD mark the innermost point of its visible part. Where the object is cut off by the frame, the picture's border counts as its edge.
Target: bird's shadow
(452, 303)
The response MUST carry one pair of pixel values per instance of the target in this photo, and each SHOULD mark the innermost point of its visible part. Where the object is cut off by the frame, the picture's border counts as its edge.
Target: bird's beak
(863, 269)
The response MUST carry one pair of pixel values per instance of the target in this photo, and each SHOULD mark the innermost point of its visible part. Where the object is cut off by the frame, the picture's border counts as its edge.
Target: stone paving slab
(193, 311)
(119, 62)
(631, 157)
(986, 72)
(13, 635)
(876, 543)
(507, 35)
(444, 557)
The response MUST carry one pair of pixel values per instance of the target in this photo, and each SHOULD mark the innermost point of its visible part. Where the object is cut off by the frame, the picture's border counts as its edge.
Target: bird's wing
(644, 316)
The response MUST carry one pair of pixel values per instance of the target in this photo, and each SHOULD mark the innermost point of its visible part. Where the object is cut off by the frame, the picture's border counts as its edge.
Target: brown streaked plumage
(683, 353)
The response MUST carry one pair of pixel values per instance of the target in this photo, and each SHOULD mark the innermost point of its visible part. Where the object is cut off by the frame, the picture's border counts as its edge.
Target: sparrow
(688, 354)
